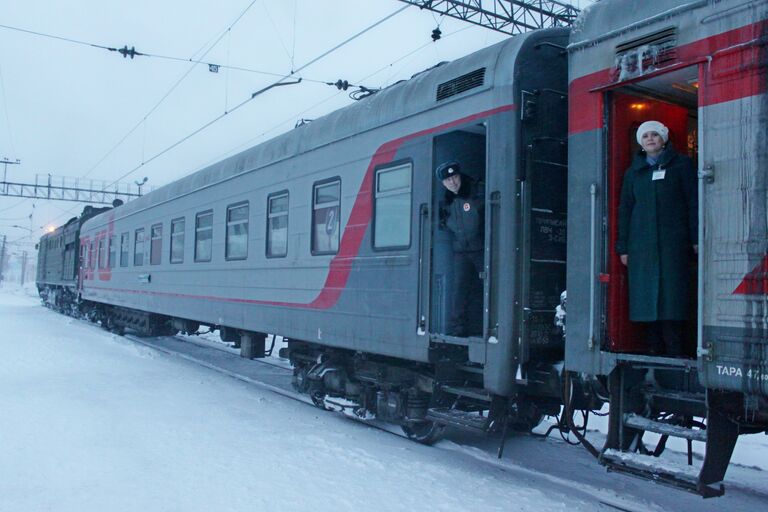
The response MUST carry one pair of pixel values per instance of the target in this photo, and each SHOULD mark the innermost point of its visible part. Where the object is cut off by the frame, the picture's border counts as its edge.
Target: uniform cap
(652, 126)
(447, 169)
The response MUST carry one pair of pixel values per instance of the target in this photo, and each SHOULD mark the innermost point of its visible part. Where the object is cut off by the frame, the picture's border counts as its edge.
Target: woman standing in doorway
(658, 230)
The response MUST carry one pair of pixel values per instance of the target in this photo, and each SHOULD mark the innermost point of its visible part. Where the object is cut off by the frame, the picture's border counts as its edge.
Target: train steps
(668, 401)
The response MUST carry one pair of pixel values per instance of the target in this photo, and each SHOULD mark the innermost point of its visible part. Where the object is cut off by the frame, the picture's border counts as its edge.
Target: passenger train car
(701, 68)
(330, 235)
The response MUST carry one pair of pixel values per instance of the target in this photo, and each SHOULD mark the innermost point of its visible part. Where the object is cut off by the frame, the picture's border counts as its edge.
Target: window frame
(101, 253)
(125, 262)
(247, 223)
(155, 259)
(112, 252)
(197, 217)
(315, 186)
(183, 240)
(374, 190)
(277, 195)
(135, 246)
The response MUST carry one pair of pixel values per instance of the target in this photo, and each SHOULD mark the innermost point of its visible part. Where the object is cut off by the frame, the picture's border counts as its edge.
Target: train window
(277, 225)
(326, 206)
(124, 250)
(102, 257)
(177, 240)
(237, 232)
(203, 236)
(392, 207)
(112, 251)
(92, 256)
(156, 244)
(138, 248)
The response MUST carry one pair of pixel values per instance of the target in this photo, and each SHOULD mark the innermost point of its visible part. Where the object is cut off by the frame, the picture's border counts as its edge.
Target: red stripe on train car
(737, 70)
(354, 232)
(756, 282)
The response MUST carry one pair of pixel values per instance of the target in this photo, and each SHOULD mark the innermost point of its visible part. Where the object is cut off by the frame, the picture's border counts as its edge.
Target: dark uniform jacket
(658, 226)
(464, 216)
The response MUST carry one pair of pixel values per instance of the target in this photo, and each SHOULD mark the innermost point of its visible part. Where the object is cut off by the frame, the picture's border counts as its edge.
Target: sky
(70, 109)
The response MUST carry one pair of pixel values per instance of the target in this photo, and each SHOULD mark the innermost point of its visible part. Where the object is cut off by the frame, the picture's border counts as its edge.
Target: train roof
(604, 20)
(399, 101)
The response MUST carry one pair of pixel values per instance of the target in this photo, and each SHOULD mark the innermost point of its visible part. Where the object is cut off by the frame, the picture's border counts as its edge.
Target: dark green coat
(658, 226)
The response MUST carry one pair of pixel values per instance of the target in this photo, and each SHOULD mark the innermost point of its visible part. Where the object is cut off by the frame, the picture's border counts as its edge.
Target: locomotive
(330, 236)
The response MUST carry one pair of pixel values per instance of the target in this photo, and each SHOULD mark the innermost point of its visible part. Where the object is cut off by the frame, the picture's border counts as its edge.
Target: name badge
(658, 175)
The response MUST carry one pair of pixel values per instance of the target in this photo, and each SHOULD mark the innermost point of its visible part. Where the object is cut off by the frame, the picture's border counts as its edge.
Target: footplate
(644, 466)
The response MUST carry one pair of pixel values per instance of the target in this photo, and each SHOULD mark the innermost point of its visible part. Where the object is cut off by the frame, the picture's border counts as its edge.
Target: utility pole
(2, 260)
(23, 266)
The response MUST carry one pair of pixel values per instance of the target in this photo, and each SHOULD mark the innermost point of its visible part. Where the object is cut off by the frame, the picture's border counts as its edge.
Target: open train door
(450, 288)
(629, 109)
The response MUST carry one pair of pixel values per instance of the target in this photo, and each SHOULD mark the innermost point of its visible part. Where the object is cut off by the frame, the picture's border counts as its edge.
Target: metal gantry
(71, 189)
(507, 16)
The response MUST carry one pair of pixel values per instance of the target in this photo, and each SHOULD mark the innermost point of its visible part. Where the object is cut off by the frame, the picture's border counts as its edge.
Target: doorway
(672, 99)
(456, 287)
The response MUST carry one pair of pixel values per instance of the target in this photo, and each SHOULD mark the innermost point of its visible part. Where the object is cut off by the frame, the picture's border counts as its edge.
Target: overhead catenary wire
(210, 45)
(279, 37)
(191, 60)
(236, 107)
(301, 113)
(173, 87)
(278, 83)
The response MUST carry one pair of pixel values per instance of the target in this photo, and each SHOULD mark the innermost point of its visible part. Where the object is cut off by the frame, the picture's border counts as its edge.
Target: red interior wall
(626, 115)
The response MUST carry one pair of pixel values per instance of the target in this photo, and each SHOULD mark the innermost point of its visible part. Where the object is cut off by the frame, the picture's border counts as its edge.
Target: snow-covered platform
(90, 421)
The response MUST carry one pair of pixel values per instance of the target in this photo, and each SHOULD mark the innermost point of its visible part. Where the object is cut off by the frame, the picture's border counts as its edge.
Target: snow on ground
(93, 422)
(90, 421)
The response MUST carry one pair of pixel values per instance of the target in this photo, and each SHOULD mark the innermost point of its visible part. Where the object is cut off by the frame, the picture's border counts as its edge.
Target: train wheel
(424, 432)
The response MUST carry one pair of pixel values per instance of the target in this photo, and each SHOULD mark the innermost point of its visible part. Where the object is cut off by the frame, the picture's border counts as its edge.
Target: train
(330, 235)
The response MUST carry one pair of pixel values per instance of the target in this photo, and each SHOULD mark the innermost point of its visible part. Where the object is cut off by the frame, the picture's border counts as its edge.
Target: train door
(672, 99)
(456, 285)
(543, 194)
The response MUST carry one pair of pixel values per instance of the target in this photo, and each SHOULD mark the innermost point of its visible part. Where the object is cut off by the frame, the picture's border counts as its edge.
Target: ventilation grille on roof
(665, 38)
(460, 84)
(647, 53)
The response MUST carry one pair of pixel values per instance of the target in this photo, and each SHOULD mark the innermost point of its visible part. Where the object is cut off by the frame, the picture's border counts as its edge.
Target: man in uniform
(463, 214)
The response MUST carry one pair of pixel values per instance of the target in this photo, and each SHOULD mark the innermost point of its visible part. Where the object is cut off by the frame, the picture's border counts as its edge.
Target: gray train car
(701, 68)
(330, 235)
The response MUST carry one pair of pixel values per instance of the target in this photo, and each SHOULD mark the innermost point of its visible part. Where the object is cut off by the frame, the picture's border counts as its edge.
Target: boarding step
(645, 466)
(464, 420)
(678, 396)
(469, 392)
(640, 423)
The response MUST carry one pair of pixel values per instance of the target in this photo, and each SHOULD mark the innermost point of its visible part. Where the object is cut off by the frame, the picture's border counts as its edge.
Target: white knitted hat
(652, 126)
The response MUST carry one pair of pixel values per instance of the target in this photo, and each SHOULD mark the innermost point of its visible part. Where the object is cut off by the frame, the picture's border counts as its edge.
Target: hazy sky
(65, 107)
